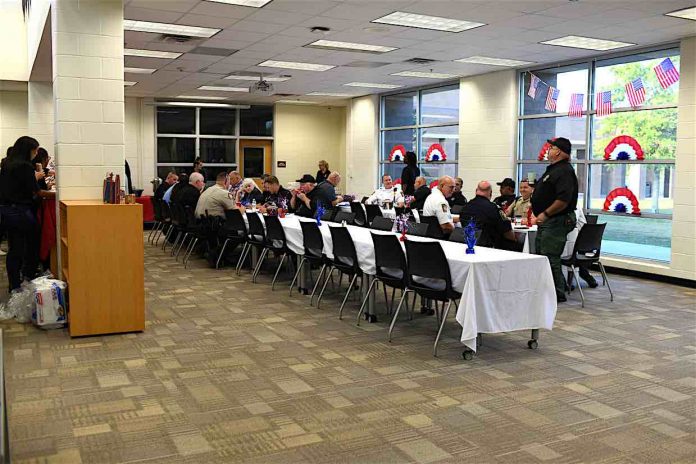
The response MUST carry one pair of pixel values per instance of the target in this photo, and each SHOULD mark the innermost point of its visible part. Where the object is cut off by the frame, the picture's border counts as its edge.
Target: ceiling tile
(147, 14)
(219, 22)
(278, 17)
(220, 9)
(165, 5)
(311, 7)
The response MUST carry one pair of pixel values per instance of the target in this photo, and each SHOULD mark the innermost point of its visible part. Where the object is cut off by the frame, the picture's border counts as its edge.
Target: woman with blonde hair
(249, 192)
(323, 172)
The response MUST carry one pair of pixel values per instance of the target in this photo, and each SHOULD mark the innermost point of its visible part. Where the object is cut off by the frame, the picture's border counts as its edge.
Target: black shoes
(561, 298)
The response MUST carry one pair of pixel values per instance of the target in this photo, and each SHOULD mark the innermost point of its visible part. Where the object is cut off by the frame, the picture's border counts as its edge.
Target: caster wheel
(532, 344)
(468, 355)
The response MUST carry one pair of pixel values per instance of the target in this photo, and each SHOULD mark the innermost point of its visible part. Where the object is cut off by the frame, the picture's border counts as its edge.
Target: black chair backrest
(457, 235)
(311, 239)
(427, 260)
(190, 215)
(166, 211)
(372, 211)
(389, 257)
(456, 209)
(343, 216)
(257, 232)
(344, 252)
(591, 218)
(382, 223)
(234, 223)
(178, 214)
(360, 217)
(329, 214)
(434, 230)
(589, 242)
(364, 199)
(275, 234)
(418, 229)
(157, 209)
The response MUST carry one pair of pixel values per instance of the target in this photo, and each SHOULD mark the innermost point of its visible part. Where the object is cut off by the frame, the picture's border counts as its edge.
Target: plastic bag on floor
(20, 304)
(49, 303)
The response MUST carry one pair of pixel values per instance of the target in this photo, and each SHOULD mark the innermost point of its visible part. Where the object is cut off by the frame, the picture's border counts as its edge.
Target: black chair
(592, 218)
(372, 211)
(233, 230)
(427, 260)
(158, 223)
(178, 225)
(382, 223)
(586, 252)
(275, 242)
(313, 243)
(343, 216)
(360, 217)
(256, 238)
(166, 221)
(459, 236)
(457, 209)
(329, 214)
(434, 230)
(197, 230)
(417, 229)
(345, 260)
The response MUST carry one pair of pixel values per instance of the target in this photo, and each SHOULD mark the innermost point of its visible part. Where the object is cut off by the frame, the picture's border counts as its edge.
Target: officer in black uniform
(496, 230)
(554, 201)
(457, 198)
(507, 193)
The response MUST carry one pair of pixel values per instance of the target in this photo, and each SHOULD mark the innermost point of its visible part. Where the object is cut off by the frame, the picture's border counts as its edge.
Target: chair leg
(161, 232)
(396, 314)
(442, 325)
(577, 281)
(316, 283)
(179, 235)
(222, 253)
(323, 287)
(280, 266)
(181, 245)
(152, 231)
(258, 265)
(242, 257)
(605, 280)
(297, 273)
(350, 289)
(367, 297)
(187, 256)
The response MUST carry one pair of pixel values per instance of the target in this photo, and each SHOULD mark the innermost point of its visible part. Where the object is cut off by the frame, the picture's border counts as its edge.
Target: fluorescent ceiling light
(165, 28)
(588, 43)
(370, 85)
(686, 13)
(150, 53)
(425, 75)
(251, 3)
(296, 65)
(330, 94)
(256, 78)
(356, 47)
(435, 23)
(493, 61)
(129, 83)
(297, 102)
(201, 97)
(218, 88)
(139, 70)
(203, 104)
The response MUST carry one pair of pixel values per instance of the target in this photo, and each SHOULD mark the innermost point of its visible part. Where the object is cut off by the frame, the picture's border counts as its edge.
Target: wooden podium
(102, 261)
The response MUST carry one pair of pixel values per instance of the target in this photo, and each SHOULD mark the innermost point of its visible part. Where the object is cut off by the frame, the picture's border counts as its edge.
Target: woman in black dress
(409, 173)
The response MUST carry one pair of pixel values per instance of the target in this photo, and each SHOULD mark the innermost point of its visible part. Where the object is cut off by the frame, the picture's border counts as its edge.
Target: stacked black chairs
(345, 260)
(434, 230)
(277, 243)
(372, 211)
(233, 231)
(344, 216)
(382, 223)
(313, 244)
(586, 252)
(256, 238)
(360, 217)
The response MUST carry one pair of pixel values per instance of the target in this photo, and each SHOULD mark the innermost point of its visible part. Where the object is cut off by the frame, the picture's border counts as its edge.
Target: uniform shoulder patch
(445, 207)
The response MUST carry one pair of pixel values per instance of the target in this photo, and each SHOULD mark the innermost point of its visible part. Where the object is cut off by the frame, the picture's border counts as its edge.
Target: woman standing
(18, 187)
(409, 173)
(323, 172)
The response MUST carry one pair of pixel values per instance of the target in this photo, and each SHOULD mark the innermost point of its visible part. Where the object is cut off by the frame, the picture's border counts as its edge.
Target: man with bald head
(436, 204)
(420, 193)
(496, 230)
(234, 181)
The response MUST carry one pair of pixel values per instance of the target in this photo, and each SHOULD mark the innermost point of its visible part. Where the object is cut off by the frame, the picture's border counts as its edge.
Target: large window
(184, 133)
(603, 161)
(421, 121)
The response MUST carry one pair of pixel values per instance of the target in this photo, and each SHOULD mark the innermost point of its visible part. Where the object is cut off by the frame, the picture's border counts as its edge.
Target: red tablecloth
(148, 212)
(47, 219)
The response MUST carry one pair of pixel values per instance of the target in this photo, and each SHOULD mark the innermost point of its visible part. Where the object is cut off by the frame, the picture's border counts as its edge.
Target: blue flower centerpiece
(470, 234)
(320, 213)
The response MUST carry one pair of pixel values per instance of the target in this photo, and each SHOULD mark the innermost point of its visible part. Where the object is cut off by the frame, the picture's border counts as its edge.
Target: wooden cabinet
(102, 261)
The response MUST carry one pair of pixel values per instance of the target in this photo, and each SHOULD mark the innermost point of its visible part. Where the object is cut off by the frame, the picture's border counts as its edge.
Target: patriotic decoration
(398, 152)
(624, 148)
(603, 103)
(667, 74)
(635, 92)
(544, 152)
(402, 226)
(551, 99)
(576, 102)
(320, 212)
(533, 85)
(435, 153)
(622, 200)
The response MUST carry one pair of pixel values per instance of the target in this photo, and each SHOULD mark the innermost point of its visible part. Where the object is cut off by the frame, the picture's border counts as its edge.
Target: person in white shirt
(436, 204)
(215, 199)
(388, 193)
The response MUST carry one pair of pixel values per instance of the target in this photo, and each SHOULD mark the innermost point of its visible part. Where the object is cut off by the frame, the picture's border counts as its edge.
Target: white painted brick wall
(13, 118)
(362, 145)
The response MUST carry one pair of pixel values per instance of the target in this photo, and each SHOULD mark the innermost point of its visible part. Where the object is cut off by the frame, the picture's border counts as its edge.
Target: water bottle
(253, 205)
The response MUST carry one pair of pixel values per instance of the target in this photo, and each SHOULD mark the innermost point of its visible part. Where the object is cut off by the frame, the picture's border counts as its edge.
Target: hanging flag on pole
(667, 74)
(576, 101)
(533, 85)
(551, 98)
(635, 92)
(603, 103)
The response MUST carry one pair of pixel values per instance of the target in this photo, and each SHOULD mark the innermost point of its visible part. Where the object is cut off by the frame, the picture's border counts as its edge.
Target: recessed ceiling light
(251, 3)
(588, 43)
(356, 47)
(370, 85)
(435, 23)
(256, 78)
(330, 94)
(296, 65)
(129, 83)
(493, 61)
(297, 102)
(218, 88)
(425, 75)
(150, 53)
(139, 70)
(686, 13)
(200, 97)
(165, 28)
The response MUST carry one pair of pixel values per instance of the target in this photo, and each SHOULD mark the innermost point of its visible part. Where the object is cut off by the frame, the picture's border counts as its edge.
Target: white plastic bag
(20, 304)
(49, 303)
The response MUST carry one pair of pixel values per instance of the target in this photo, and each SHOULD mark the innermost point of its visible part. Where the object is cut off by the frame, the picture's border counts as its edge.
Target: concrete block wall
(40, 114)
(362, 145)
(13, 118)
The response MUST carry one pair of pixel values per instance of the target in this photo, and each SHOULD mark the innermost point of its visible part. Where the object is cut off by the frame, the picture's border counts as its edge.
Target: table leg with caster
(533, 344)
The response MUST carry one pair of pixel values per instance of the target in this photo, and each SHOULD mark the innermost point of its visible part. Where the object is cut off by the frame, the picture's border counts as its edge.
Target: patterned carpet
(227, 371)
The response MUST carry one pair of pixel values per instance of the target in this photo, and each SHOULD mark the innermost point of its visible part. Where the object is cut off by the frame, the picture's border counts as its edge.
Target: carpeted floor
(228, 371)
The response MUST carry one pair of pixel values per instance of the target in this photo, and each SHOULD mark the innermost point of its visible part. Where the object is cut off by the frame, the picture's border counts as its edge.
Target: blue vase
(470, 235)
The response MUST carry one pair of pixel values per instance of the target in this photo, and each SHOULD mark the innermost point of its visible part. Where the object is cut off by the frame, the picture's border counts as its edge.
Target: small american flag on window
(635, 92)
(667, 74)
(603, 103)
(576, 101)
(551, 98)
(533, 85)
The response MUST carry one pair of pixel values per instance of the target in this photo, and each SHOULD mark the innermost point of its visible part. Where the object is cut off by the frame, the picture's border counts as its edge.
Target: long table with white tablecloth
(502, 291)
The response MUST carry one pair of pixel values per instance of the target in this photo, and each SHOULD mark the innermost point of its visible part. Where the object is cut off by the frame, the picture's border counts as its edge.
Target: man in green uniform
(553, 203)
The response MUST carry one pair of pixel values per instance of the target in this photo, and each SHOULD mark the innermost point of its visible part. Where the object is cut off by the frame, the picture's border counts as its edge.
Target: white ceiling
(280, 30)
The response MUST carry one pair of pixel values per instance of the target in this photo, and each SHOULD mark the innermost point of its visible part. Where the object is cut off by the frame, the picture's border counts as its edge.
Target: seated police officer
(496, 230)
(457, 198)
(421, 192)
(436, 204)
(507, 193)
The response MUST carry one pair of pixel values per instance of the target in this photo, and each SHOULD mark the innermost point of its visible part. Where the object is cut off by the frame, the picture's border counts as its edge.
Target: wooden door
(255, 158)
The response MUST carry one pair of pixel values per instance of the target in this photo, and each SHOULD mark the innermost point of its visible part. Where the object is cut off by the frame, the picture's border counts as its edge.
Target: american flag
(533, 85)
(551, 99)
(667, 74)
(576, 101)
(603, 103)
(635, 92)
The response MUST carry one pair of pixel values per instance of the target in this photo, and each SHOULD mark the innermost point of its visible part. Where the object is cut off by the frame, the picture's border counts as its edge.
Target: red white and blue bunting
(397, 154)
(435, 153)
(621, 200)
(624, 148)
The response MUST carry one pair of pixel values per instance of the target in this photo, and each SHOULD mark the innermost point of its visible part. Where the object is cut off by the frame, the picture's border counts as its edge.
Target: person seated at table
(303, 201)
(326, 191)
(507, 193)
(521, 206)
(388, 193)
(496, 230)
(234, 183)
(421, 192)
(249, 193)
(168, 182)
(275, 195)
(457, 198)
(215, 200)
(182, 181)
(436, 204)
(187, 194)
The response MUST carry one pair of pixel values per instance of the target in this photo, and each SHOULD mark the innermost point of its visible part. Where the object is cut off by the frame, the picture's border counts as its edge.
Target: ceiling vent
(261, 87)
(366, 64)
(420, 61)
(173, 38)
